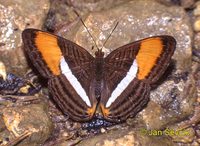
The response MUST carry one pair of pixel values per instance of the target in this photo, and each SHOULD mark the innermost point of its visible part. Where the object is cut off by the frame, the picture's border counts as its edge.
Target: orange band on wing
(104, 110)
(91, 111)
(49, 49)
(150, 51)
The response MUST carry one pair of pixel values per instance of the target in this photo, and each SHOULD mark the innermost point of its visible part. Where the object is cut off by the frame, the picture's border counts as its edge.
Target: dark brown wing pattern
(43, 50)
(46, 51)
(128, 73)
(81, 64)
(150, 57)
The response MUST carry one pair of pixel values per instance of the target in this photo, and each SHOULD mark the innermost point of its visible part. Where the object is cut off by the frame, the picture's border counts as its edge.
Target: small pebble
(2, 70)
(197, 25)
(103, 130)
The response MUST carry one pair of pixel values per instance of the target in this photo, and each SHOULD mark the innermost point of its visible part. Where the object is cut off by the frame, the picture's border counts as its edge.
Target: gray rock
(97, 5)
(196, 25)
(15, 16)
(127, 137)
(187, 3)
(137, 20)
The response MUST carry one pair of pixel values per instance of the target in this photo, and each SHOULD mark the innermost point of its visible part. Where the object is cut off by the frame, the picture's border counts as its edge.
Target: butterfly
(118, 84)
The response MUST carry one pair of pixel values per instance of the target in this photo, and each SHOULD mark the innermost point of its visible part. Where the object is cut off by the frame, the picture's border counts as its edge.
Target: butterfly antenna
(86, 28)
(110, 35)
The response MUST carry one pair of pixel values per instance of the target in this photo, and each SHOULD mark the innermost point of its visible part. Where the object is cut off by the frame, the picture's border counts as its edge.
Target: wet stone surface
(15, 16)
(15, 85)
(156, 19)
(174, 101)
(24, 116)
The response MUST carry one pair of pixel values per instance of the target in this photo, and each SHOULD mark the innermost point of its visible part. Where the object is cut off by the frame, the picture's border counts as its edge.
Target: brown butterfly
(119, 83)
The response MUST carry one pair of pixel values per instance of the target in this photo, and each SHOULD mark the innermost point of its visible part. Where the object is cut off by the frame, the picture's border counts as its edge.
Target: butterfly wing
(129, 72)
(68, 68)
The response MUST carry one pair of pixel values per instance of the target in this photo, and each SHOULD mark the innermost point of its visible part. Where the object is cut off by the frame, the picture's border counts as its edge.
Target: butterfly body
(98, 66)
(119, 83)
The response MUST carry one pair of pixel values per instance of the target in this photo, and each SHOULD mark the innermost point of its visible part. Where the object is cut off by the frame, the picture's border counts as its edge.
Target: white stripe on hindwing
(73, 81)
(131, 74)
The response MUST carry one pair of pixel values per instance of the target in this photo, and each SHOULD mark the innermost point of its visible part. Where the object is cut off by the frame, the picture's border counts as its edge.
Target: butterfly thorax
(99, 61)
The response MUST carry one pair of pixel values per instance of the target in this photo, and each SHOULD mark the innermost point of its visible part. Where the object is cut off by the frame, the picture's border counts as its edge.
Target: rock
(2, 125)
(2, 70)
(197, 24)
(156, 19)
(169, 2)
(174, 102)
(183, 136)
(197, 41)
(187, 3)
(196, 11)
(32, 119)
(15, 85)
(61, 12)
(98, 5)
(125, 137)
(4, 133)
(15, 16)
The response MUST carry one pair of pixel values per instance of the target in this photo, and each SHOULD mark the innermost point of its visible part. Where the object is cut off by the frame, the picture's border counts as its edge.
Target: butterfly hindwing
(69, 70)
(129, 72)
(69, 101)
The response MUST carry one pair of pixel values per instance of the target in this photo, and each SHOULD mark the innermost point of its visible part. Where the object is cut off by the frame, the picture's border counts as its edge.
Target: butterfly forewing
(43, 51)
(154, 57)
(69, 69)
(129, 72)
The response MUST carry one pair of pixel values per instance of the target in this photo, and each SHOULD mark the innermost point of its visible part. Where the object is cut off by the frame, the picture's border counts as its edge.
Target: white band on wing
(131, 74)
(73, 81)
